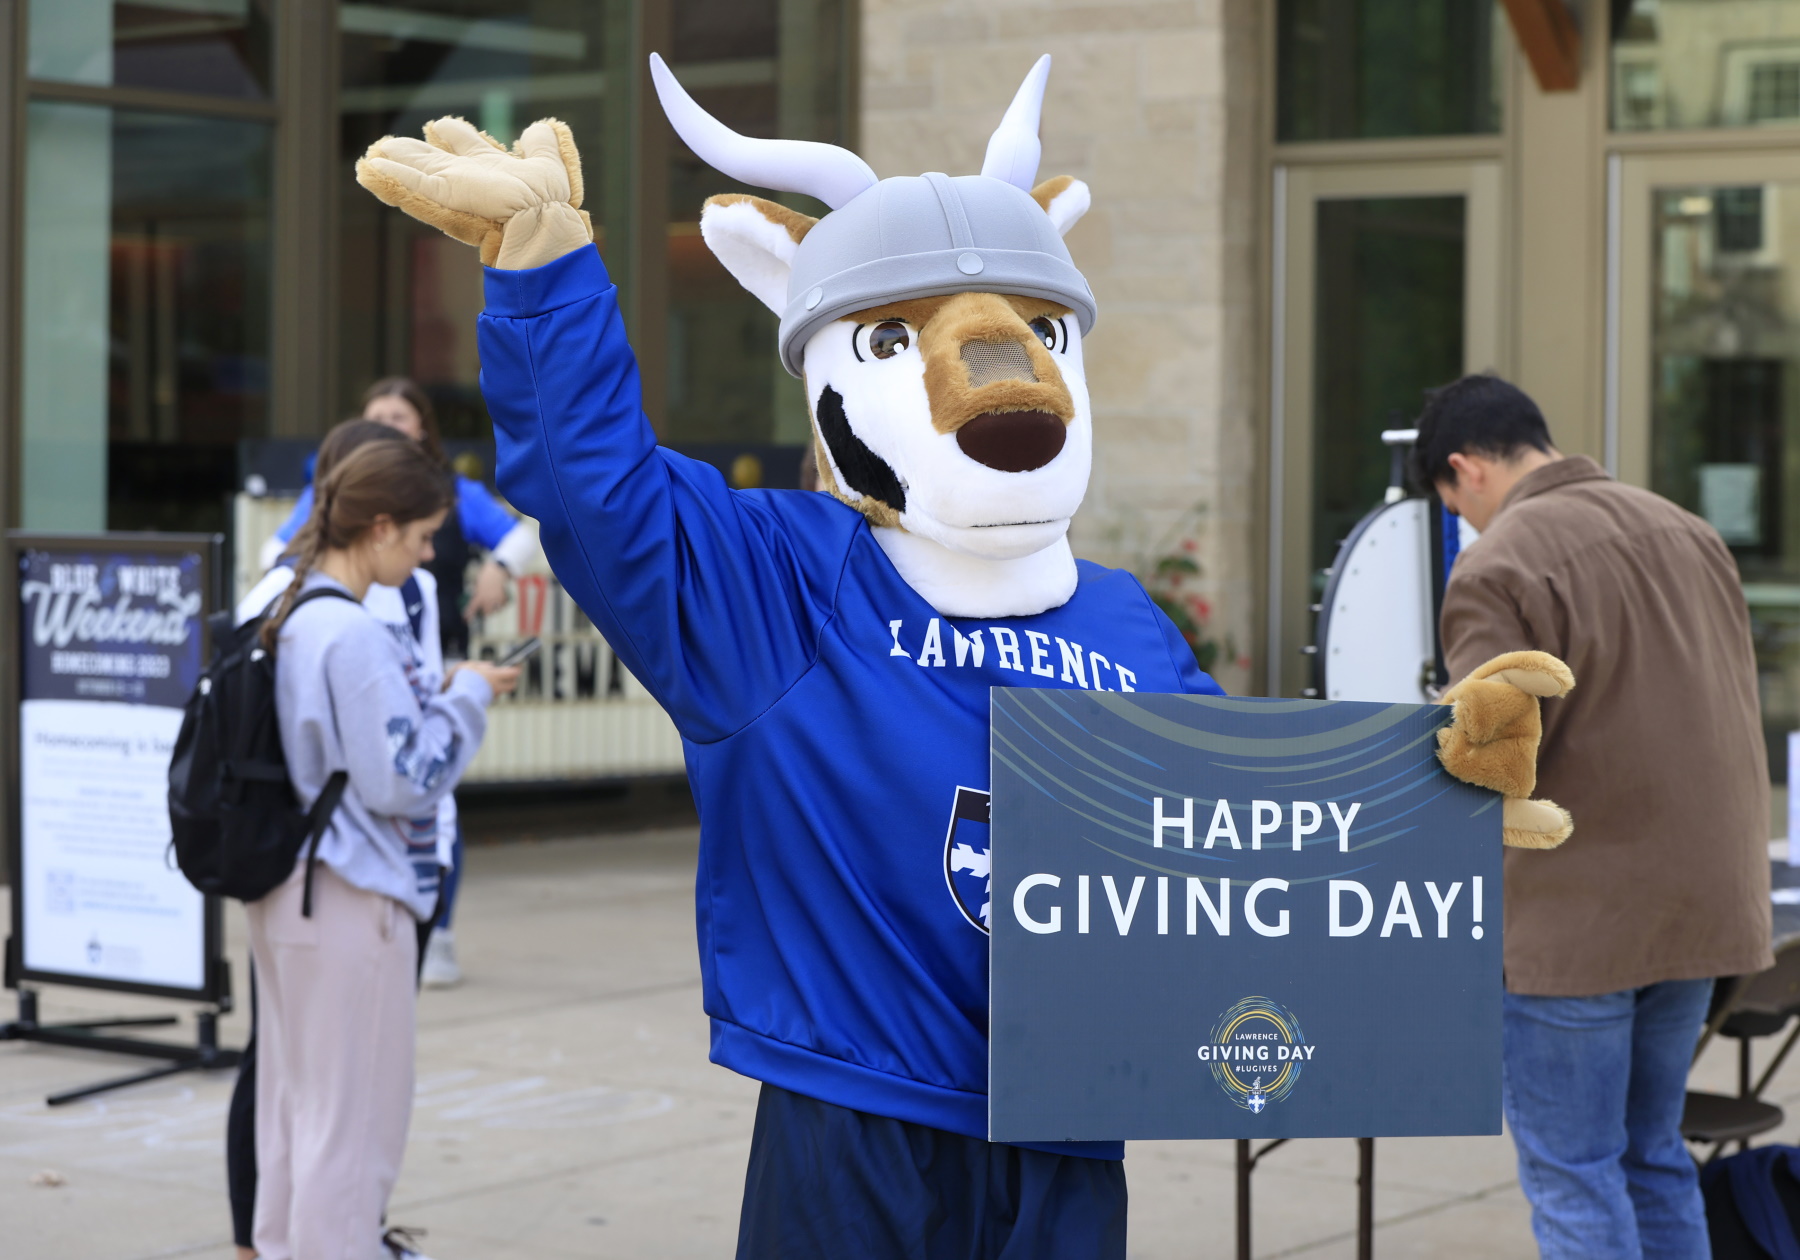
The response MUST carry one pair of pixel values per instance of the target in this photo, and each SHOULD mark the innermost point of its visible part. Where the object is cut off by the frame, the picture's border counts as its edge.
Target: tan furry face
(947, 324)
(961, 418)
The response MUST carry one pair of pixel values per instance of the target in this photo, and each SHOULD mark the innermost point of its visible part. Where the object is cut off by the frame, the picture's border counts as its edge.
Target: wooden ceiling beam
(1550, 40)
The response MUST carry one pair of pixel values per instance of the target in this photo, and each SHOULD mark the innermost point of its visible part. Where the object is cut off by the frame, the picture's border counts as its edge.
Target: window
(1680, 64)
(1774, 92)
(151, 331)
(205, 47)
(146, 293)
(1725, 413)
(1363, 69)
(1637, 94)
(763, 74)
(411, 295)
(1389, 326)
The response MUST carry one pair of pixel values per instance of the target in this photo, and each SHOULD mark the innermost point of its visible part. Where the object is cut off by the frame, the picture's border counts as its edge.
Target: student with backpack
(335, 945)
(410, 614)
(477, 521)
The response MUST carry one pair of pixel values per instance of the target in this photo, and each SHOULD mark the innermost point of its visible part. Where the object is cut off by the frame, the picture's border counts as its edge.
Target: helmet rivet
(814, 298)
(969, 264)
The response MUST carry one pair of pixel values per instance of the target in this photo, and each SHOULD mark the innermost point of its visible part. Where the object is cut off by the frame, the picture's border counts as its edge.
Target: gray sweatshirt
(348, 698)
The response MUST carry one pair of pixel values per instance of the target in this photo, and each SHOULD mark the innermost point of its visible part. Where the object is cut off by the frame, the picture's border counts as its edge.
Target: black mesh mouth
(862, 469)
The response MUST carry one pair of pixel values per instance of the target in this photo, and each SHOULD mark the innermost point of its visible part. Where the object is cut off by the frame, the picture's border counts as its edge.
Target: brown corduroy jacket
(1658, 753)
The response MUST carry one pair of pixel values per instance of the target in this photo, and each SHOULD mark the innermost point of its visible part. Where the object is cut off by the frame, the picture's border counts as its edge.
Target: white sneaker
(399, 1244)
(440, 970)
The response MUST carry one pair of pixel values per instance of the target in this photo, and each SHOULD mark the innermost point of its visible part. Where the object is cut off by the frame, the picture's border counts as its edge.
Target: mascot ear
(756, 240)
(1065, 199)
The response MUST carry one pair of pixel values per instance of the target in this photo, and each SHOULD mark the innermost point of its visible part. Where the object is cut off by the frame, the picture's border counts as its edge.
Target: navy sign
(120, 626)
(1228, 918)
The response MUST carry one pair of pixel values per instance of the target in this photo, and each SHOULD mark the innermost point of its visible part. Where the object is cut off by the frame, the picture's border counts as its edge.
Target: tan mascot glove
(1492, 741)
(521, 206)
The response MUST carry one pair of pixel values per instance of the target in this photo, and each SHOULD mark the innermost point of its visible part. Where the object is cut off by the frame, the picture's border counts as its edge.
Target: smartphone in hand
(521, 653)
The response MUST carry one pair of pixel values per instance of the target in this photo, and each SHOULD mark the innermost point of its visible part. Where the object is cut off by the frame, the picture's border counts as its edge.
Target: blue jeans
(1594, 1091)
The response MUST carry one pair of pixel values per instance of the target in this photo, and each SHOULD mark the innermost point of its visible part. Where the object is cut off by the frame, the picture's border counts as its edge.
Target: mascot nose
(1012, 441)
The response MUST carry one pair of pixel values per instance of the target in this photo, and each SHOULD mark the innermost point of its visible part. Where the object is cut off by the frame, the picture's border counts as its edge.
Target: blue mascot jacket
(828, 714)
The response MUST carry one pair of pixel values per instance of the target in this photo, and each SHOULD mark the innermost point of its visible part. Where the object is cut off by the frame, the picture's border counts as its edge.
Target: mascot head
(936, 321)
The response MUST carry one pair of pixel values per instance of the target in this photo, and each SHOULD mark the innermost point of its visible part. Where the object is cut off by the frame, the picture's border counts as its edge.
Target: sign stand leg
(1244, 1165)
(1365, 1194)
(204, 1055)
(1365, 1198)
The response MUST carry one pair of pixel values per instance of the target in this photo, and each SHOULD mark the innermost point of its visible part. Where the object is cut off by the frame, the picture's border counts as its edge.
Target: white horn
(1014, 150)
(831, 174)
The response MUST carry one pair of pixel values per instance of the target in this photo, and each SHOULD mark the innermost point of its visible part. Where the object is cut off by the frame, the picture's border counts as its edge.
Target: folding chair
(1745, 1008)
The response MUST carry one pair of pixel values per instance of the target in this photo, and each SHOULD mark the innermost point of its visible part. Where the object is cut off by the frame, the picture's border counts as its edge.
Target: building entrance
(1387, 284)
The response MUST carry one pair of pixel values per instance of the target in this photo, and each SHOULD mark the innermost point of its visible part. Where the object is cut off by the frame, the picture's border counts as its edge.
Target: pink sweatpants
(334, 1072)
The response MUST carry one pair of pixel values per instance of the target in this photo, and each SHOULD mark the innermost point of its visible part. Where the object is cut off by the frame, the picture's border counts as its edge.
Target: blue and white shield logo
(967, 868)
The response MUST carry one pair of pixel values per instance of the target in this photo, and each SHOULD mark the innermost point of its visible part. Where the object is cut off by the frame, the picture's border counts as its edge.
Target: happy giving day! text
(1038, 899)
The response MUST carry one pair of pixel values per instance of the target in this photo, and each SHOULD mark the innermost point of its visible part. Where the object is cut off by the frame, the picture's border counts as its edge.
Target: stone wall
(1155, 105)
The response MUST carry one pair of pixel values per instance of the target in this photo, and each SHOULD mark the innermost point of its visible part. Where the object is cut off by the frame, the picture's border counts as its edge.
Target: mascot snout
(1013, 441)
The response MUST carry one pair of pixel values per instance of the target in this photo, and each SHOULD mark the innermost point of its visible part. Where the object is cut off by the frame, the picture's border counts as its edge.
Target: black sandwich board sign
(108, 639)
(1238, 918)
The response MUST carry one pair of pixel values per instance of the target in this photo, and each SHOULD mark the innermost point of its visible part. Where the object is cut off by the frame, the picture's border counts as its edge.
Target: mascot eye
(888, 339)
(1048, 331)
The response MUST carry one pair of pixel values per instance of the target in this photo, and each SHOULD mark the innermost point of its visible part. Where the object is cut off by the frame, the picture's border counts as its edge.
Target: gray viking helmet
(887, 240)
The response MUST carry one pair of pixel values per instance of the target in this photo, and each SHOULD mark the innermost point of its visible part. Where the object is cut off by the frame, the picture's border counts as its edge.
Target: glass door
(1387, 284)
(1707, 384)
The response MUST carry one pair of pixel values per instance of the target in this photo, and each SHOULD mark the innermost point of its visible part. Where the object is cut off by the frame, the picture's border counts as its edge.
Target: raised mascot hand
(1492, 741)
(520, 206)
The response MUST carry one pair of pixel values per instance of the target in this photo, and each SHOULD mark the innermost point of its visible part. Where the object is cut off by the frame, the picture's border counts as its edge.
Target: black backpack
(237, 826)
(1753, 1204)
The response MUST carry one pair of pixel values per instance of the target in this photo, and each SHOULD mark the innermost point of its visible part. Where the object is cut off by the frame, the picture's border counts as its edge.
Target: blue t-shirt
(484, 521)
(827, 712)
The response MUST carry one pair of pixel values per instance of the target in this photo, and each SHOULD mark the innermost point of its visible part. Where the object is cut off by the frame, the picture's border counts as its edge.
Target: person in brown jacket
(1613, 938)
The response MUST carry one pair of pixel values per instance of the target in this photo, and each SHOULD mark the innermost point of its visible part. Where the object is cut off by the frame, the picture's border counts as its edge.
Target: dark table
(1787, 918)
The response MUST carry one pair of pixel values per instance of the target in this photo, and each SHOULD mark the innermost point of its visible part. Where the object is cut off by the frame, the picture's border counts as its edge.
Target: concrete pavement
(566, 1108)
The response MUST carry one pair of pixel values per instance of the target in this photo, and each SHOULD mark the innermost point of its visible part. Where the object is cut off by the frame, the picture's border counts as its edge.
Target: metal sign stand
(205, 1055)
(1247, 1161)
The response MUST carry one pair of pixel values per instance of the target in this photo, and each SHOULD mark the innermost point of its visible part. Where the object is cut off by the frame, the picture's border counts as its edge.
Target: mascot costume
(827, 657)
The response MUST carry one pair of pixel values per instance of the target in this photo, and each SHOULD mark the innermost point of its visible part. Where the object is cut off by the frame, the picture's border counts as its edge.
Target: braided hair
(398, 480)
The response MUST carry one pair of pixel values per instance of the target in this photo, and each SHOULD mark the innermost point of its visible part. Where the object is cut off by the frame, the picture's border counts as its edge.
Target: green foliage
(1188, 609)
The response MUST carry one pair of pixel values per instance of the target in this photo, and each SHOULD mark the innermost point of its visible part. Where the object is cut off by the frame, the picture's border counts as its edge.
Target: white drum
(1376, 638)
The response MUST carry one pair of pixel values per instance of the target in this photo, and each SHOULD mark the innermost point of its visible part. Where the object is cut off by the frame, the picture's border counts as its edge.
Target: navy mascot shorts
(828, 1182)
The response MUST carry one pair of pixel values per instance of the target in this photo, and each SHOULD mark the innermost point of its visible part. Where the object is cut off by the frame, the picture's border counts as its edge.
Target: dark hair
(1477, 415)
(346, 436)
(404, 387)
(339, 441)
(393, 479)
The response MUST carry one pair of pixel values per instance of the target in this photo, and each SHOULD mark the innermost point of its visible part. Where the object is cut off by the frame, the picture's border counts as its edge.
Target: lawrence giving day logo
(1256, 1053)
